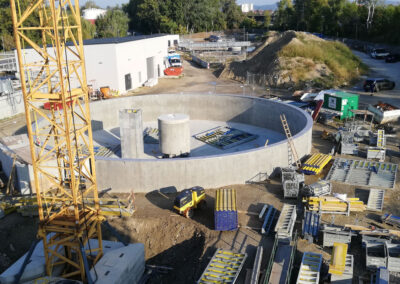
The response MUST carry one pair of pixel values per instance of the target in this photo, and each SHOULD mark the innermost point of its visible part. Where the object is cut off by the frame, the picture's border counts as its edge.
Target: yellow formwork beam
(338, 260)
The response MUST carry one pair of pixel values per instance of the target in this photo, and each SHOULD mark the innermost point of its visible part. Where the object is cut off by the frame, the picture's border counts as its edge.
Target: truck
(174, 59)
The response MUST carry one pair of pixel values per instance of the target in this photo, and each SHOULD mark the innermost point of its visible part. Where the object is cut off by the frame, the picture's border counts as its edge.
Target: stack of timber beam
(338, 260)
(225, 214)
(333, 205)
(27, 206)
(315, 164)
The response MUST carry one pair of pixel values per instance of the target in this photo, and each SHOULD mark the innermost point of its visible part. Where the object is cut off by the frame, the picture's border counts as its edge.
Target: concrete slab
(120, 266)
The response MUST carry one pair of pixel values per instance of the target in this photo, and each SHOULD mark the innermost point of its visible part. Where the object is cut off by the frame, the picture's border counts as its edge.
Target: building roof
(116, 40)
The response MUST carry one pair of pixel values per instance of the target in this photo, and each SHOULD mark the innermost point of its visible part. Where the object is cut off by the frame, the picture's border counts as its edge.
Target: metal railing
(8, 62)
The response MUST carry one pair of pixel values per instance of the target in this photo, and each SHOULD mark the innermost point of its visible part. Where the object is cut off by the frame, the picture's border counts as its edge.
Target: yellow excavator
(189, 199)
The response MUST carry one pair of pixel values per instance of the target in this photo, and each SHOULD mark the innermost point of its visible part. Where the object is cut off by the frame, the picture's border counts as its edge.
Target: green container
(341, 102)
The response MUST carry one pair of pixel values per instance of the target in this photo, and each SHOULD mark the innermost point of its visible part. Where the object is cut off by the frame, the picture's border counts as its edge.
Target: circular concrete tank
(174, 134)
(208, 166)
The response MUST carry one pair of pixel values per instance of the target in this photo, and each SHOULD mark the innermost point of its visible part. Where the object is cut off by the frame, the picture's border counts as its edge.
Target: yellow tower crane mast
(52, 71)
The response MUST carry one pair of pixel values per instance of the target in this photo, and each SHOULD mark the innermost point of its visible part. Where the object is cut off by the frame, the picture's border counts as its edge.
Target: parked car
(378, 84)
(379, 53)
(392, 58)
(215, 38)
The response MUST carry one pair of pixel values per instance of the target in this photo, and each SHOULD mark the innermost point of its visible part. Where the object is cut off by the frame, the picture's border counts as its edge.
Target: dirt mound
(293, 58)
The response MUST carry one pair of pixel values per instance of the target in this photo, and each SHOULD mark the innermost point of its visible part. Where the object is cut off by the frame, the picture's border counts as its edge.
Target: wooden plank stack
(333, 205)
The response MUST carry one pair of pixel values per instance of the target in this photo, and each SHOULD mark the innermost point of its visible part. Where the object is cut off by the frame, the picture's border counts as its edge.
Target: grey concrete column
(131, 130)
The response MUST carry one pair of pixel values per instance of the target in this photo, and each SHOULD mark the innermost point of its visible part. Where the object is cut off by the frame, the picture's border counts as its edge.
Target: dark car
(378, 84)
(392, 58)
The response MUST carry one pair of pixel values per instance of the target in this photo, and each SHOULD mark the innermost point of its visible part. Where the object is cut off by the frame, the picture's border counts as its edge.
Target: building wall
(101, 67)
(132, 59)
(144, 175)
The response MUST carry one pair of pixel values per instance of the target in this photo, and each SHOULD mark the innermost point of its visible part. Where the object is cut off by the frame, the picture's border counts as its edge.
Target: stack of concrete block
(122, 265)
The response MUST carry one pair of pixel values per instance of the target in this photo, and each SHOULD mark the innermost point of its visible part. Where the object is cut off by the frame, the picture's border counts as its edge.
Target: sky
(105, 3)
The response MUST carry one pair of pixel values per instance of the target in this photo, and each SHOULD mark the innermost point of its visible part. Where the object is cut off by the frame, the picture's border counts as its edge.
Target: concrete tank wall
(144, 175)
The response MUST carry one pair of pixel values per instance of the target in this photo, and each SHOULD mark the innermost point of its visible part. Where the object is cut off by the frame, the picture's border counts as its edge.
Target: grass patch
(345, 66)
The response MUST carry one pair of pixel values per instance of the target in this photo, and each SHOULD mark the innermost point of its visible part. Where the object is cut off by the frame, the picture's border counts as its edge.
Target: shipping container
(225, 214)
(341, 103)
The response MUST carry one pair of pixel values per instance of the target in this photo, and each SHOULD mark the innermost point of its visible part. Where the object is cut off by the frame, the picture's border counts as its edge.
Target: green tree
(90, 4)
(88, 29)
(233, 14)
(114, 23)
(267, 19)
(284, 15)
(6, 27)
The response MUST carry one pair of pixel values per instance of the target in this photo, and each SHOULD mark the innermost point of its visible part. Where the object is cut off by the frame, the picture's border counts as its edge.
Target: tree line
(362, 19)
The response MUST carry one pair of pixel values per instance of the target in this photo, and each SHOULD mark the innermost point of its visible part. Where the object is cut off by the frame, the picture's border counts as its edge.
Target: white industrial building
(247, 7)
(123, 63)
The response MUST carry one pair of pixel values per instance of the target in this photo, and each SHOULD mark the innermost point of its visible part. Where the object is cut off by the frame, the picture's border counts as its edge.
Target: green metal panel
(341, 102)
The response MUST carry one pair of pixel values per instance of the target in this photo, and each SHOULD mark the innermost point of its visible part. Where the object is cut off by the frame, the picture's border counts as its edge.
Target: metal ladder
(291, 149)
(309, 269)
(286, 221)
(376, 199)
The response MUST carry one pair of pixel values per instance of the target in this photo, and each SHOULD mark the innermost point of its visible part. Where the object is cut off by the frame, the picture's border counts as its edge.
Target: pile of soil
(273, 69)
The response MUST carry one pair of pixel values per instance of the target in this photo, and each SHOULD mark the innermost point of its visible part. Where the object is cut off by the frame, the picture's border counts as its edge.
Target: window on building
(159, 71)
(175, 42)
(140, 77)
(128, 82)
(169, 43)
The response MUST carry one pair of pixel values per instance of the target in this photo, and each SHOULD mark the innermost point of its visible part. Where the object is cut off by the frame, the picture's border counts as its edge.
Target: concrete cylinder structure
(131, 130)
(174, 134)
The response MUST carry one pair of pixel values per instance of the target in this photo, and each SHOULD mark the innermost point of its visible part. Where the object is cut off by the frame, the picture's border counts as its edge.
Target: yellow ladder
(291, 148)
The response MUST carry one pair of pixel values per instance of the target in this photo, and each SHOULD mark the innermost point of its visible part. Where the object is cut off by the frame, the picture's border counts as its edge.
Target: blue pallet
(268, 220)
(311, 223)
(226, 220)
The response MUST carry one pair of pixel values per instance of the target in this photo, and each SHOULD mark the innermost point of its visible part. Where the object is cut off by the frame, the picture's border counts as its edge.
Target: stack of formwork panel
(376, 254)
(315, 163)
(333, 205)
(393, 257)
(284, 226)
(224, 267)
(338, 259)
(225, 213)
(347, 145)
(347, 276)
(309, 268)
(332, 234)
(319, 188)
(291, 182)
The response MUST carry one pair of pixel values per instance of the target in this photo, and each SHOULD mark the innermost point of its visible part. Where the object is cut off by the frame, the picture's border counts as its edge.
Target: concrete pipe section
(174, 135)
(230, 139)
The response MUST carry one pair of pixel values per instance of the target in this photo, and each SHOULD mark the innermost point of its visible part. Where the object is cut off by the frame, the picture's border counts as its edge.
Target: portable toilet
(341, 102)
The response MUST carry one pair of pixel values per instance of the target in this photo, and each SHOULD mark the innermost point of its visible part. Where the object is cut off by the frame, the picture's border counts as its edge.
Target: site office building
(122, 63)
